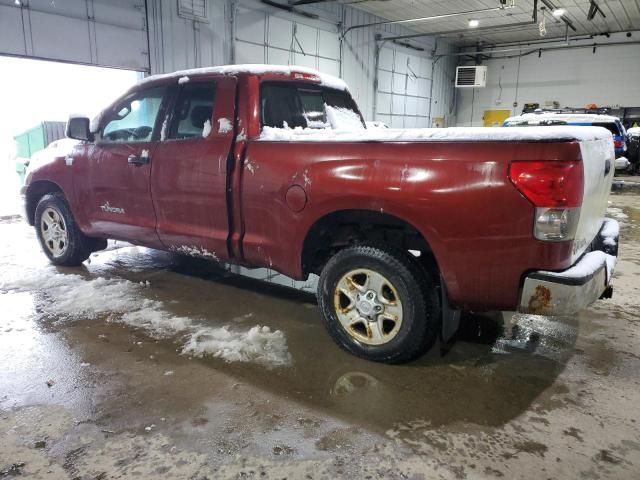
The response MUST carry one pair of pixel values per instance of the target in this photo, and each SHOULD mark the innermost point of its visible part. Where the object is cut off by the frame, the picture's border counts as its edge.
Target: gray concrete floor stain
(90, 397)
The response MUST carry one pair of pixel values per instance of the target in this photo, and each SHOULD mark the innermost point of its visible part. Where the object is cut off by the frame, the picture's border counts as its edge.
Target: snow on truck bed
(457, 134)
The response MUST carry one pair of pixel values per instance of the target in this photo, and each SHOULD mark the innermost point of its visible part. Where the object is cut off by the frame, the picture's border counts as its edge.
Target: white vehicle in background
(578, 118)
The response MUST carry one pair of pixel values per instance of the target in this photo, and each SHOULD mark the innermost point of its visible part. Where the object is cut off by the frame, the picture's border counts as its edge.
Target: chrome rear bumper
(567, 292)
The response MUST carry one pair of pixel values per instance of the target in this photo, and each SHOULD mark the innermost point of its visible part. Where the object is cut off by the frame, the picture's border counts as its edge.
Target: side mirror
(78, 129)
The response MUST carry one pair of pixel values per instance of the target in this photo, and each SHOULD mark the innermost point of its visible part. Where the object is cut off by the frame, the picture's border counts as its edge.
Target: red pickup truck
(266, 166)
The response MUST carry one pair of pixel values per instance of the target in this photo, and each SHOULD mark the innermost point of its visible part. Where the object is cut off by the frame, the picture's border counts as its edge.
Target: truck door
(189, 174)
(112, 176)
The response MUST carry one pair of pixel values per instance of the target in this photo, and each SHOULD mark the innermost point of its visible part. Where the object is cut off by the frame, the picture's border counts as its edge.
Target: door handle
(138, 160)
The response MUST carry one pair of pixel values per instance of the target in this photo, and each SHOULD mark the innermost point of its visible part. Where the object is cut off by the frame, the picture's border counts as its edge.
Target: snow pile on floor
(615, 212)
(259, 344)
(452, 134)
(622, 163)
(72, 296)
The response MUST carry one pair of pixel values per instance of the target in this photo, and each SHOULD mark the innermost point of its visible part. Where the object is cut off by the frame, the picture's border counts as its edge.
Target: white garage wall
(404, 88)
(264, 35)
(358, 66)
(109, 34)
(575, 77)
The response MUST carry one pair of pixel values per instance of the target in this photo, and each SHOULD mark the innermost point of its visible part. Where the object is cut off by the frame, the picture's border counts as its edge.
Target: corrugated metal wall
(178, 43)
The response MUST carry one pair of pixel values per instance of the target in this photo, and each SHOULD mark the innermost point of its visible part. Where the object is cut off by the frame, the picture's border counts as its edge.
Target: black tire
(78, 246)
(418, 294)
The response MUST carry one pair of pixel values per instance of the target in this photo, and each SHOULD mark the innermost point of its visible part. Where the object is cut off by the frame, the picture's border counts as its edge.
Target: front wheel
(378, 303)
(61, 239)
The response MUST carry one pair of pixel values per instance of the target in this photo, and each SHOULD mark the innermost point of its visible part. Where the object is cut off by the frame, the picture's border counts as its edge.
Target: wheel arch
(341, 228)
(35, 191)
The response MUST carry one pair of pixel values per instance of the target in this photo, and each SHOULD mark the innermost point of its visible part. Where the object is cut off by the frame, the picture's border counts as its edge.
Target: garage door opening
(37, 98)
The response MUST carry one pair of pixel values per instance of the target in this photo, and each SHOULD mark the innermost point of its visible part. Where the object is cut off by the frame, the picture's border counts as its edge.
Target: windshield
(291, 105)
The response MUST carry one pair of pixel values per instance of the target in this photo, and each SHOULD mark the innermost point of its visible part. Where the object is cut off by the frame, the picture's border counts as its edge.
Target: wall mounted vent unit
(193, 9)
(471, 77)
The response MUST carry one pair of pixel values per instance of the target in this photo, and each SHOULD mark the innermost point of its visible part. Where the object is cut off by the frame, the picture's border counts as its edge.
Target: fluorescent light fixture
(558, 12)
(473, 23)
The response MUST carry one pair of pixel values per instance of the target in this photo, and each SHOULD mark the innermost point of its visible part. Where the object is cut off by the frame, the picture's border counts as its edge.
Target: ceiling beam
(564, 18)
(533, 21)
(426, 19)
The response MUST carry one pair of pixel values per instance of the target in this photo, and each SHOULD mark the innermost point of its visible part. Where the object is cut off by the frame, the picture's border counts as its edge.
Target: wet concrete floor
(143, 365)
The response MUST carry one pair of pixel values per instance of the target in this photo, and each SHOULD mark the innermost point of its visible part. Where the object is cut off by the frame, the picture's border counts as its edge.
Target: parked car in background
(553, 117)
(633, 149)
(272, 167)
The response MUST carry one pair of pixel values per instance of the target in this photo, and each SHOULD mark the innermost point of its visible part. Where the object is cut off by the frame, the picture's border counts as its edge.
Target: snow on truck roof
(304, 73)
(452, 134)
(563, 117)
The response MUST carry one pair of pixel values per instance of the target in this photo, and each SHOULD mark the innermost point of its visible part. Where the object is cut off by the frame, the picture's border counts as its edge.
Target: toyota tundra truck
(273, 167)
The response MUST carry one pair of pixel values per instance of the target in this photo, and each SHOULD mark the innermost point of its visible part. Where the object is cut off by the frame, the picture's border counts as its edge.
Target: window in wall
(193, 9)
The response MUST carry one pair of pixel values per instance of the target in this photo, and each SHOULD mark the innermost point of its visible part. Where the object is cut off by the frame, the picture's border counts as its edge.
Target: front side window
(191, 117)
(289, 105)
(133, 120)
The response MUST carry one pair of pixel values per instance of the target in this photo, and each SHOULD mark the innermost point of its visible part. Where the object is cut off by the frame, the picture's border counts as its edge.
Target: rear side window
(192, 113)
(290, 105)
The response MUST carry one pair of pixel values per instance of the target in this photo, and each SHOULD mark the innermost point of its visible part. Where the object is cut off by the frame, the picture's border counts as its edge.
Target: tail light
(555, 189)
(618, 143)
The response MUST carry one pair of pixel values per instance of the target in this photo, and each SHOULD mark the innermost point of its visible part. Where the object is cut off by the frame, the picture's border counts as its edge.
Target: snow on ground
(10, 202)
(617, 213)
(64, 296)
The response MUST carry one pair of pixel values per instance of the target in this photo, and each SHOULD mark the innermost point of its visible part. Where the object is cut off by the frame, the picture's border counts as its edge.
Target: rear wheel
(61, 239)
(379, 304)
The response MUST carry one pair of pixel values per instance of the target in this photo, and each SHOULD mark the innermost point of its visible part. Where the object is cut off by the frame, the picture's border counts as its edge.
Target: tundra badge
(109, 209)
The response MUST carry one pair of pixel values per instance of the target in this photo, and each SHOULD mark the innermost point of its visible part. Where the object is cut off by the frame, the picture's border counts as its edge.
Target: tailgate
(598, 166)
